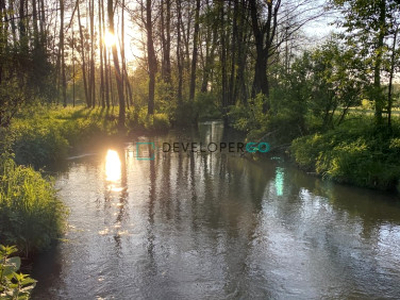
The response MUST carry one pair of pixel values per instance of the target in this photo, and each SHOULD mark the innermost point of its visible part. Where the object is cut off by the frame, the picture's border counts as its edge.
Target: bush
(13, 285)
(206, 107)
(355, 152)
(185, 114)
(141, 122)
(31, 215)
(38, 146)
(250, 118)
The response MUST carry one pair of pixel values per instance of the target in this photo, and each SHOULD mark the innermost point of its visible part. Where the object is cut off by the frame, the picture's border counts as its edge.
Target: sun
(109, 39)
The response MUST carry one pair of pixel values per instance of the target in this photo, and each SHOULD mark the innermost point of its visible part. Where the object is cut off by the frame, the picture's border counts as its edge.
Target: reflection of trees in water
(123, 198)
(151, 215)
(370, 209)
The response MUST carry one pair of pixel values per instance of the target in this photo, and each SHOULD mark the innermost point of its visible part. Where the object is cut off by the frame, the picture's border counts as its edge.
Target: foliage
(355, 152)
(367, 25)
(13, 285)
(46, 135)
(206, 107)
(31, 215)
(250, 118)
(142, 122)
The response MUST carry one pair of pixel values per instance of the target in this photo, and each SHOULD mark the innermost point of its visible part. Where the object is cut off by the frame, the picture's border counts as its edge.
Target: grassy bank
(31, 215)
(46, 135)
(356, 152)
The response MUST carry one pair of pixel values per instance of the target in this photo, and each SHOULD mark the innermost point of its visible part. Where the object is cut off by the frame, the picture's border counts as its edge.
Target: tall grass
(31, 215)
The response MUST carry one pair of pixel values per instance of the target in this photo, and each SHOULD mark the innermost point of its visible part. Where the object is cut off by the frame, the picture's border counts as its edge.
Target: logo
(143, 148)
(146, 150)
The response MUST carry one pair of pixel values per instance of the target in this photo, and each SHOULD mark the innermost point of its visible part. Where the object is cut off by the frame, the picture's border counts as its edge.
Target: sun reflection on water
(113, 166)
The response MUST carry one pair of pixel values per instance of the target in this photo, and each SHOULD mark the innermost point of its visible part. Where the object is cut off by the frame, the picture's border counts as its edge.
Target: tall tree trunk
(101, 47)
(105, 57)
(151, 56)
(232, 98)
(240, 89)
(167, 54)
(73, 70)
(63, 79)
(166, 39)
(179, 56)
(379, 101)
(124, 72)
(223, 56)
(121, 116)
(264, 36)
(392, 67)
(83, 57)
(195, 51)
(92, 58)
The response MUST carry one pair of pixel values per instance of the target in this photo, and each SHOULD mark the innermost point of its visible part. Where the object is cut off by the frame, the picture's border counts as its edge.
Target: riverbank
(31, 215)
(48, 134)
(356, 152)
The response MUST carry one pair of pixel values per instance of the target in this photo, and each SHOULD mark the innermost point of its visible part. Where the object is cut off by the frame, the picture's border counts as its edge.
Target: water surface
(216, 226)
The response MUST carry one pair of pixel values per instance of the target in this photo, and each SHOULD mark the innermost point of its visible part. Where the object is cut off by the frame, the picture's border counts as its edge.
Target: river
(215, 226)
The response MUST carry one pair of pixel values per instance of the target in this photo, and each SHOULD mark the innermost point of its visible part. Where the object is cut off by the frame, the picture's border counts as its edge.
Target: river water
(215, 226)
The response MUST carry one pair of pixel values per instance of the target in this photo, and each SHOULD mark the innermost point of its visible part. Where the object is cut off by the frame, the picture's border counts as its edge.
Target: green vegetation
(13, 285)
(45, 135)
(31, 215)
(356, 152)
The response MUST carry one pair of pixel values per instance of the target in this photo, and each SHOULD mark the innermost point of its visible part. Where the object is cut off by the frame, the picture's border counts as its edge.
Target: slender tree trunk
(151, 56)
(73, 70)
(195, 51)
(83, 58)
(105, 57)
(179, 51)
(167, 55)
(379, 102)
(232, 98)
(124, 72)
(63, 79)
(121, 117)
(101, 49)
(92, 56)
(223, 56)
(392, 67)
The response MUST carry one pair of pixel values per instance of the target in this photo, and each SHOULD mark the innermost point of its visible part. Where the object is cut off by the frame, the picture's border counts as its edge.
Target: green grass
(31, 215)
(46, 135)
(356, 152)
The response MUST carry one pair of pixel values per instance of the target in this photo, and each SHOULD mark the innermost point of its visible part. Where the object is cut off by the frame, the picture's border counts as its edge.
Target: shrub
(38, 146)
(31, 215)
(13, 285)
(206, 107)
(355, 152)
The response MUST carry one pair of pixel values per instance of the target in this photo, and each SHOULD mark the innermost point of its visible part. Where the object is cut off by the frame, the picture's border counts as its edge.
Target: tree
(151, 57)
(195, 51)
(368, 24)
(121, 116)
(265, 20)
